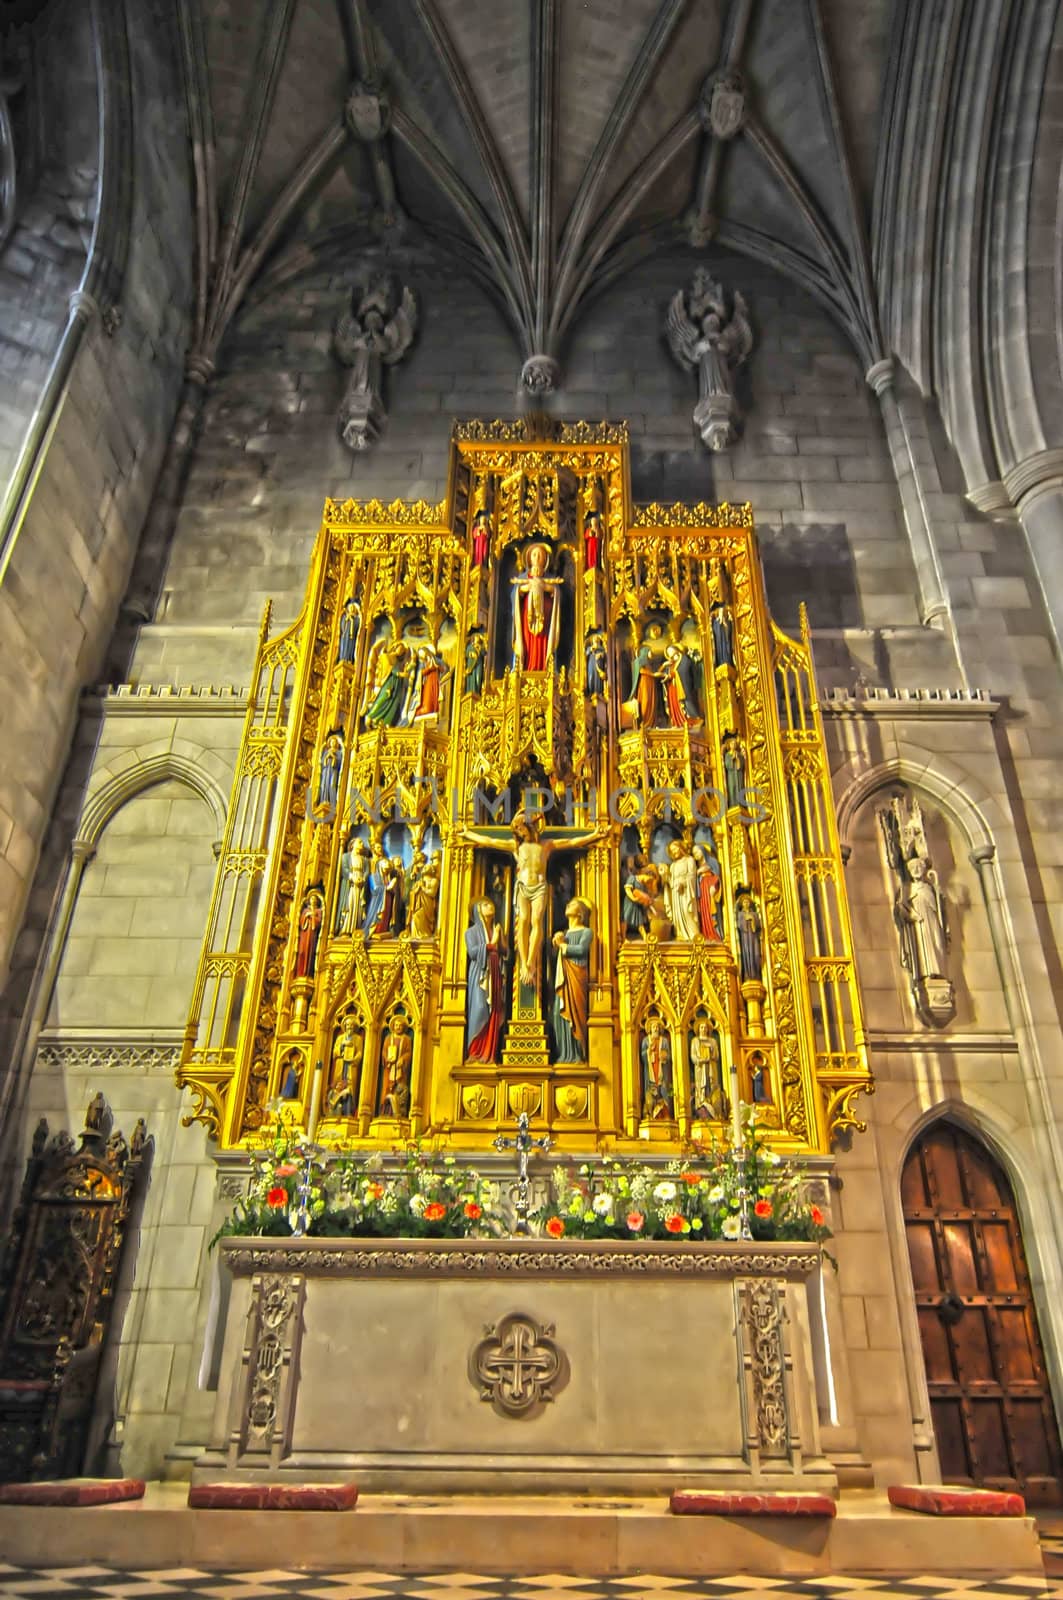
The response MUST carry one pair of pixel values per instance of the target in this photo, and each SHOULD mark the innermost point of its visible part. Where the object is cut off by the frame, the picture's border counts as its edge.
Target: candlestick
(736, 1109)
(315, 1101)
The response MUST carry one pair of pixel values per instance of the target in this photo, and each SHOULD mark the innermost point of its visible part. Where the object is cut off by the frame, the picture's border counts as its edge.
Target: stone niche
(531, 1365)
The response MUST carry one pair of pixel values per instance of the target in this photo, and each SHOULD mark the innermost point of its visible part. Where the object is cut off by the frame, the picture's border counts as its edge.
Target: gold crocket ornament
(555, 830)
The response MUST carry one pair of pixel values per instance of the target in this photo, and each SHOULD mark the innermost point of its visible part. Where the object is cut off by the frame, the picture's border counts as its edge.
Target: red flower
(276, 1198)
(690, 1178)
(762, 1208)
(472, 1210)
(818, 1218)
(674, 1223)
(434, 1211)
(635, 1219)
(555, 1227)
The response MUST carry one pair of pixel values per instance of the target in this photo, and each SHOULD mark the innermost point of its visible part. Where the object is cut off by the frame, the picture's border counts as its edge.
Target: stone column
(933, 603)
(1035, 489)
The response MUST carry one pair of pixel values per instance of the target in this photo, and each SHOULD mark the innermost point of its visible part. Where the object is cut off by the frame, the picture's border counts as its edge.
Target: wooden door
(993, 1415)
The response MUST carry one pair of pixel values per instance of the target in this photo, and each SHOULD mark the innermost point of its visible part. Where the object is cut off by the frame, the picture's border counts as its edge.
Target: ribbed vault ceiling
(546, 143)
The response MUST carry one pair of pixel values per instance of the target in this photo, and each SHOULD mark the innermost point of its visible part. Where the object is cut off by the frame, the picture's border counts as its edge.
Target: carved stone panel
(266, 1396)
(771, 1426)
(517, 1367)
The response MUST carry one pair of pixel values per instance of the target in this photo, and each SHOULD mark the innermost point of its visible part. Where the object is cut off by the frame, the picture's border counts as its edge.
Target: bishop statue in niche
(536, 611)
(919, 911)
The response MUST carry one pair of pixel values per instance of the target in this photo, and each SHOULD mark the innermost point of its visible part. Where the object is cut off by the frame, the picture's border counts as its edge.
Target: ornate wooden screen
(666, 927)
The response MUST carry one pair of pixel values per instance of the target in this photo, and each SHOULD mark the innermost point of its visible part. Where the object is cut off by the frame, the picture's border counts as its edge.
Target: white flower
(603, 1204)
(417, 1204)
(731, 1227)
(665, 1191)
(715, 1194)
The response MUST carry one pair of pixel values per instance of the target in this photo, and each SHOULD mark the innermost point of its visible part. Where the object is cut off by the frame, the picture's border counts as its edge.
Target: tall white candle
(736, 1109)
(315, 1101)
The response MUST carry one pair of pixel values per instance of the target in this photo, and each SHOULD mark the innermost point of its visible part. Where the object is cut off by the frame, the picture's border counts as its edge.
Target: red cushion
(73, 1492)
(273, 1496)
(727, 1503)
(942, 1502)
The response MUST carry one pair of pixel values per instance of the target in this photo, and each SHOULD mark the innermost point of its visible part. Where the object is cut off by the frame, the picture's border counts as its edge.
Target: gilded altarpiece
(532, 814)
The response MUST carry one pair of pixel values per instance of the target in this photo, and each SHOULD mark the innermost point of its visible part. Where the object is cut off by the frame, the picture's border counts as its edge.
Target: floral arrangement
(425, 1196)
(614, 1199)
(295, 1188)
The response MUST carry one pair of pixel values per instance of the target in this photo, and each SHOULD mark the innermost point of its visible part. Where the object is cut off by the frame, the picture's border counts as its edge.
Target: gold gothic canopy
(532, 813)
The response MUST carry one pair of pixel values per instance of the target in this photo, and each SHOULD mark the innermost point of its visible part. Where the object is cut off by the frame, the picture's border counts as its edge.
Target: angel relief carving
(376, 333)
(709, 333)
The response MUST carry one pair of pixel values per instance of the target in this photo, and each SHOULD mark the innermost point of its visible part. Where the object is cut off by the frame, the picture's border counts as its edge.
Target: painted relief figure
(428, 670)
(721, 623)
(330, 764)
(707, 1099)
(645, 674)
(635, 903)
(485, 996)
(597, 662)
(424, 898)
(536, 612)
(594, 506)
(480, 521)
(311, 915)
(346, 1070)
(750, 947)
(396, 1059)
(475, 661)
(291, 1075)
(655, 1054)
(354, 874)
(572, 983)
(682, 712)
(385, 917)
(389, 673)
(734, 771)
(350, 620)
(708, 895)
(681, 891)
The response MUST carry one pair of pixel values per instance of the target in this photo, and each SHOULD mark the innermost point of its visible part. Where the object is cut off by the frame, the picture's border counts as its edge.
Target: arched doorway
(993, 1415)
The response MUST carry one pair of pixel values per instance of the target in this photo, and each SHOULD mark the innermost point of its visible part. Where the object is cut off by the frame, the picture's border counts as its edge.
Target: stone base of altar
(518, 1366)
(520, 1537)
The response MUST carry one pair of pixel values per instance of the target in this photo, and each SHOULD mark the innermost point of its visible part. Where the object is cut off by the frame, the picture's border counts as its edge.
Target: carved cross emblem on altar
(517, 1366)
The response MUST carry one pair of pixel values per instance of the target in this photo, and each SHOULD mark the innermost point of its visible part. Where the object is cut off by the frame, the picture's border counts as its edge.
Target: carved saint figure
(681, 710)
(291, 1075)
(311, 914)
(597, 659)
(424, 899)
(655, 1054)
(350, 620)
(536, 612)
(723, 649)
(734, 771)
(707, 1099)
(385, 917)
(480, 521)
(919, 911)
(376, 332)
(330, 764)
(707, 335)
(593, 527)
(645, 673)
(750, 947)
(428, 670)
(485, 1000)
(396, 1058)
(346, 1070)
(635, 903)
(572, 983)
(531, 853)
(390, 664)
(681, 891)
(708, 894)
(475, 661)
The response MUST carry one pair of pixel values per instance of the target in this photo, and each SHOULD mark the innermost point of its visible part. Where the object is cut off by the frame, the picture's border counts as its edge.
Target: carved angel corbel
(376, 333)
(710, 333)
(919, 911)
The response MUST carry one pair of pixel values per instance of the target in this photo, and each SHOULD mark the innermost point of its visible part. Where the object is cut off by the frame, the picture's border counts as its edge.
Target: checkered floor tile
(186, 1583)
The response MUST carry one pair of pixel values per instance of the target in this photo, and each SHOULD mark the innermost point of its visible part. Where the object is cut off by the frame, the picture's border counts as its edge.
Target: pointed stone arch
(947, 791)
(118, 788)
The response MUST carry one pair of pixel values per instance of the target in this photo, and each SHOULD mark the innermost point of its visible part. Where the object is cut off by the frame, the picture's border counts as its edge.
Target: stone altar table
(516, 1365)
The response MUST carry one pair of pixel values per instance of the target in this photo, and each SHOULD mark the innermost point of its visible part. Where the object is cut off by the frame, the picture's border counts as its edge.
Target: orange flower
(762, 1208)
(690, 1178)
(277, 1197)
(818, 1218)
(375, 1190)
(635, 1219)
(555, 1227)
(472, 1210)
(674, 1223)
(434, 1210)
(285, 1170)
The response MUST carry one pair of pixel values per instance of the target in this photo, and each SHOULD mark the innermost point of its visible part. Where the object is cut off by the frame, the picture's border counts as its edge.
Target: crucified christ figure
(531, 852)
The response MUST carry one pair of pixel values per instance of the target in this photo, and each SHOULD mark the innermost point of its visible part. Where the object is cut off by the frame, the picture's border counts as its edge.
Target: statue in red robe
(536, 612)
